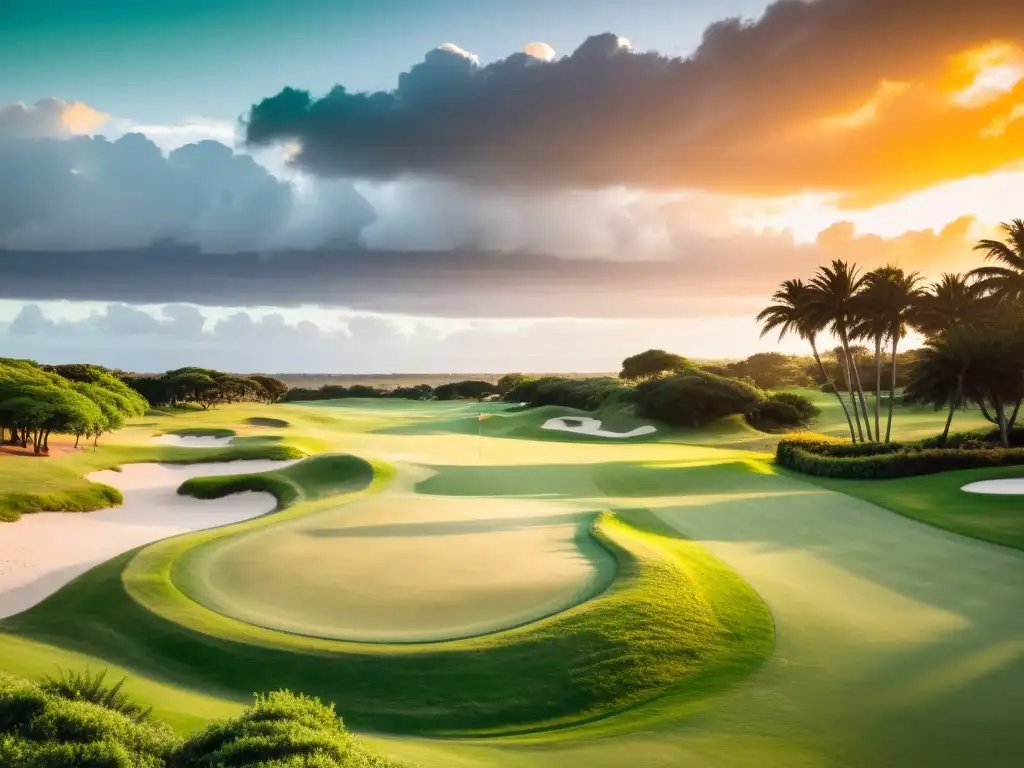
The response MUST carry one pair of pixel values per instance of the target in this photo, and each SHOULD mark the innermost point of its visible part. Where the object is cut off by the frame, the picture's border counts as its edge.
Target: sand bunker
(43, 551)
(583, 425)
(1011, 486)
(192, 441)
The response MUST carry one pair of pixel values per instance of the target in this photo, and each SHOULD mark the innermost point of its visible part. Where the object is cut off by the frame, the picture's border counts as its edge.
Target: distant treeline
(204, 387)
(471, 389)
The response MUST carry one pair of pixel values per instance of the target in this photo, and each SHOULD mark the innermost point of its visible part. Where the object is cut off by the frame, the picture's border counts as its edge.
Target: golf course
(471, 588)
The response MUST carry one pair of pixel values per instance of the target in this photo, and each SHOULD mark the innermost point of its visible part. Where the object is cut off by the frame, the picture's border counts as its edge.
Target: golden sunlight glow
(982, 75)
(867, 113)
(81, 118)
(988, 198)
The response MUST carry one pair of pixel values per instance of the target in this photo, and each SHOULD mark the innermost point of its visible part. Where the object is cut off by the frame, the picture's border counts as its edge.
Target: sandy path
(192, 441)
(43, 551)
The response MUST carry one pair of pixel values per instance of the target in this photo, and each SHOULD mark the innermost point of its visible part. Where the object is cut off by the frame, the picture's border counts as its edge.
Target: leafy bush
(804, 408)
(281, 730)
(653, 363)
(696, 398)
(40, 729)
(829, 457)
(465, 389)
(56, 725)
(584, 394)
(86, 686)
(828, 388)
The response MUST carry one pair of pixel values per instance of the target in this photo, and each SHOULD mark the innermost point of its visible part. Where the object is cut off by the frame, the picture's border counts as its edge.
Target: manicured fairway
(895, 644)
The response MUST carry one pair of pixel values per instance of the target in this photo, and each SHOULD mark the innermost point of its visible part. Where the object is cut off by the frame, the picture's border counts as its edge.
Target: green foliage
(770, 370)
(782, 411)
(78, 722)
(281, 730)
(92, 687)
(653, 363)
(696, 398)
(471, 389)
(43, 729)
(36, 402)
(828, 457)
(510, 381)
(829, 388)
(584, 394)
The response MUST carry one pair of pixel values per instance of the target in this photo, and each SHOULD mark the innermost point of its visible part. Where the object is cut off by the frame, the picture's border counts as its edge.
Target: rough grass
(938, 500)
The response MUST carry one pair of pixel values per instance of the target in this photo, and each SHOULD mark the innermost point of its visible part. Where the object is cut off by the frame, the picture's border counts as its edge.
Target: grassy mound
(83, 499)
(312, 479)
(266, 421)
(676, 619)
(202, 432)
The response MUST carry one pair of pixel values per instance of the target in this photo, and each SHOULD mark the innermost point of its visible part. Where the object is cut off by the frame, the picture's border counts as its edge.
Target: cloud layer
(87, 192)
(854, 96)
(710, 276)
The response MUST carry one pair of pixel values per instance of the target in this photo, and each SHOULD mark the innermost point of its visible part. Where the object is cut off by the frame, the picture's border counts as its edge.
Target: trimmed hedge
(829, 457)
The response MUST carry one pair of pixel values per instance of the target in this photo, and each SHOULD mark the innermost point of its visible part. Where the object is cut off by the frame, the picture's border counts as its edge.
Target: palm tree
(832, 303)
(872, 313)
(938, 376)
(902, 294)
(952, 302)
(1005, 280)
(790, 312)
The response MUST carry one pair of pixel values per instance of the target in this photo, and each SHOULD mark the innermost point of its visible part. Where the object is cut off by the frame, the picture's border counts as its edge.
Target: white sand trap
(583, 425)
(43, 551)
(192, 441)
(1011, 486)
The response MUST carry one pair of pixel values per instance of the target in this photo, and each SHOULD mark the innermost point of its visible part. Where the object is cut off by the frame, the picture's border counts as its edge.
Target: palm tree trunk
(878, 384)
(1013, 416)
(892, 389)
(848, 380)
(860, 390)
(952, 407)
(984, 412)
(838, 394)
(1004, 434)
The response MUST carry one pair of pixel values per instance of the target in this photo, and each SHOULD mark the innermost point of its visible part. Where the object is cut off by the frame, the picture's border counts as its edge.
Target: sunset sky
(479, 185)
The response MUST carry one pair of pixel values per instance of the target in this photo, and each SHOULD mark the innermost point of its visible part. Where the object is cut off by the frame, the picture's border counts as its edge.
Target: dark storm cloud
(712, 276)
(748, 112)
(83, 192)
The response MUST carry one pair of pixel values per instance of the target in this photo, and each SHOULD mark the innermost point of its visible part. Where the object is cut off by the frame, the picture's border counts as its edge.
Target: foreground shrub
(39, 729)
(281, 730)
(58, 725)
(694, 399)
(87, 686)
(828, 457)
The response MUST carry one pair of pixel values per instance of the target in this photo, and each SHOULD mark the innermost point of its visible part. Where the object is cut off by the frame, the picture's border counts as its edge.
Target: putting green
(403, 567)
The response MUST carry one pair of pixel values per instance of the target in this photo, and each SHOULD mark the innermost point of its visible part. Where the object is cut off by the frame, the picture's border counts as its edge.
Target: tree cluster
(973, 324)
(81, 400)
(206, 388)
